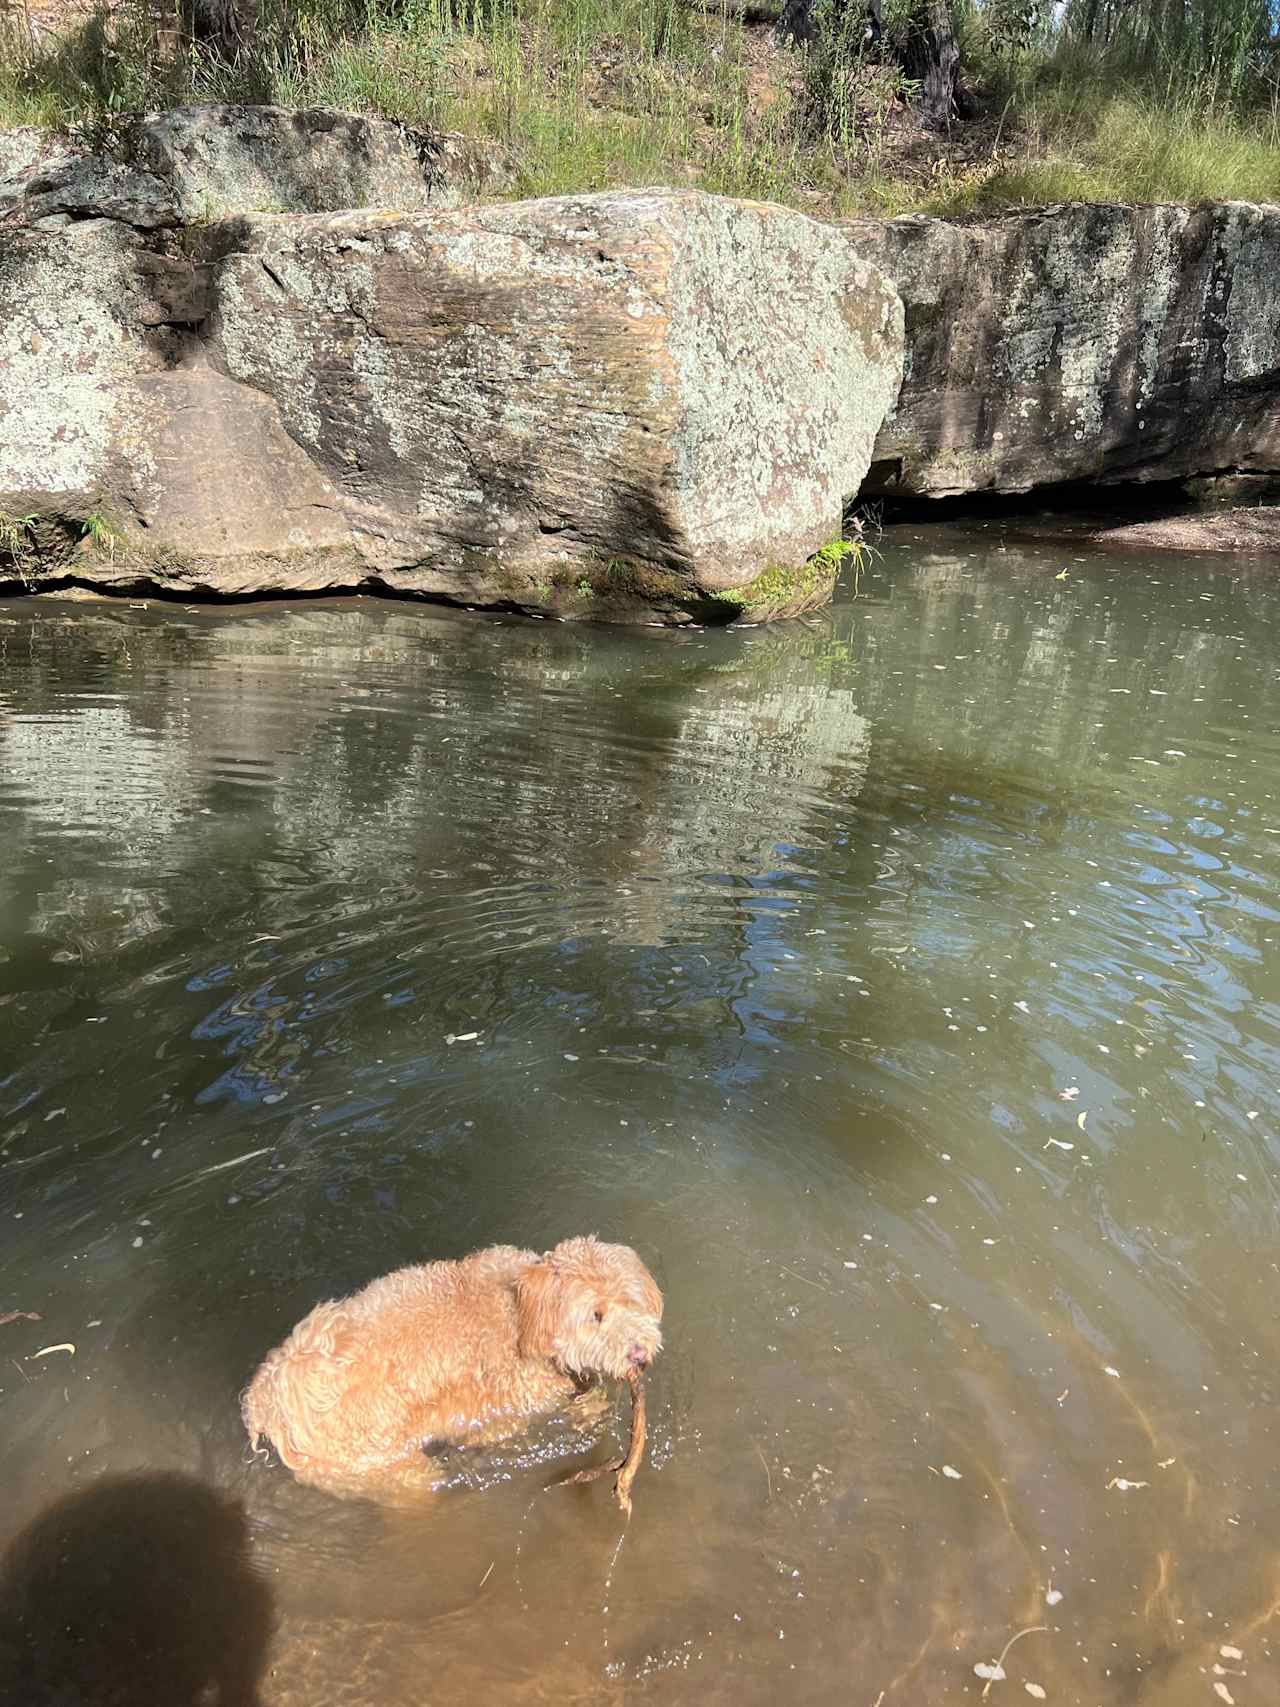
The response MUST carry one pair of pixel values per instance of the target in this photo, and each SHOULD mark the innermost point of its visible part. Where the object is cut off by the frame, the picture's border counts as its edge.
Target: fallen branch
(624, 1467)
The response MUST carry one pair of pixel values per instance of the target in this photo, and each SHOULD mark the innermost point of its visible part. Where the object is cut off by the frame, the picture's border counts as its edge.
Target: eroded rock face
(72, 331)
(226, 160)
(198, 164)
(1077, 343)
(585, 405)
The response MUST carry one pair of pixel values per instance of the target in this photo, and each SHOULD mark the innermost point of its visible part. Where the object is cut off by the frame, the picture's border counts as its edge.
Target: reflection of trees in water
(377, 747)
(92, 770)
(415, 760)
(417, 791)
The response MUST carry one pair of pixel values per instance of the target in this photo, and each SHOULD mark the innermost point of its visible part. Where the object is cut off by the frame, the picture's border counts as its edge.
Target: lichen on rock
(1072, 343)
(587, 406)
(197, 164)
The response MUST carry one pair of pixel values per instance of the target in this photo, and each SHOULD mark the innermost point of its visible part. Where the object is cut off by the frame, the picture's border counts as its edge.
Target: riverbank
(256, 351)
(588, 95)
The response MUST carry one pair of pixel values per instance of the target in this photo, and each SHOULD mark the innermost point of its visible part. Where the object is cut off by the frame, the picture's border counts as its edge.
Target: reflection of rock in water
(134, 1592)
(743, 789)
(767, 761)
(96, 772)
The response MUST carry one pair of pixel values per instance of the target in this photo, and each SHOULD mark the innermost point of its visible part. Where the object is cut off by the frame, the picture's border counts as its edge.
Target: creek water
(901, 983)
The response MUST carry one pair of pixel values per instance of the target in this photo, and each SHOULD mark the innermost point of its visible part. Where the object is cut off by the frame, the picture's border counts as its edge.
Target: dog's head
(591, 1308)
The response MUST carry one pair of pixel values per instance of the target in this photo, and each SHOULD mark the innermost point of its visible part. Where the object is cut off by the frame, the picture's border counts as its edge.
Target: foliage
(779, 588)
(17, 546)
(1126, 147)
(1217, 47)
(1105, 99)
(586, 94)
(835, 551)
(15, 534)
(101, 533)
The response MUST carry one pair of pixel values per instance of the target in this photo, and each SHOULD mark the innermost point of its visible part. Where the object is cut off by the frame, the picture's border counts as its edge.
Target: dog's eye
(599, 1315)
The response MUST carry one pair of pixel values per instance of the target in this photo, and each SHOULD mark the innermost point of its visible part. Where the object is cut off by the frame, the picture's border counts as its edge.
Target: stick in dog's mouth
(625, 1467)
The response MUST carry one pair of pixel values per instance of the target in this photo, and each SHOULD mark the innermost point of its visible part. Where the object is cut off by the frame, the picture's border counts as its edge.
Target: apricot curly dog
(449, 1353)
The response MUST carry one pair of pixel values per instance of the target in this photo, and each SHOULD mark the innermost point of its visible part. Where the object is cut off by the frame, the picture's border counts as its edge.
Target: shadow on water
(134, 1592)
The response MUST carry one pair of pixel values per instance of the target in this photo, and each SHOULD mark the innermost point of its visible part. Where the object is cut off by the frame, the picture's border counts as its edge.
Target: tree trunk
(797, 24)
(924, 46)
(929, 56)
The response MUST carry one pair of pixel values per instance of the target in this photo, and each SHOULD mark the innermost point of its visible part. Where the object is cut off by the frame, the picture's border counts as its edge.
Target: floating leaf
(992, 1673)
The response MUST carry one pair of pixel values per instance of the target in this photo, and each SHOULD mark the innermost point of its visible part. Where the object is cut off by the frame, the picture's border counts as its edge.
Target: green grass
(595, 94)
(1079, 133)
(101, 533)
(585, 94)
(15, 534)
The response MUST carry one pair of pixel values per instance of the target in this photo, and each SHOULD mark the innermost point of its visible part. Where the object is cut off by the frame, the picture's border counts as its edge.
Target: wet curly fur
(449, 1353)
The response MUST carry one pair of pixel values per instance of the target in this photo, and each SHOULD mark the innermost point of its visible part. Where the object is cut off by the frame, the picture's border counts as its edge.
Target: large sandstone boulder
(198, 164)
(1081, 343)
(73, 309)
(588, 405)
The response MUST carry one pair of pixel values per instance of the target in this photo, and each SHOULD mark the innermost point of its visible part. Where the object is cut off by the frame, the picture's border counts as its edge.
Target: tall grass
(1095, 123)
(585, 94)
(1214, 48)
(1128, 100)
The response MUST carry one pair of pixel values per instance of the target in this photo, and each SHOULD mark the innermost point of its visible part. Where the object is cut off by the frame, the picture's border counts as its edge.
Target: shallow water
(901, 983)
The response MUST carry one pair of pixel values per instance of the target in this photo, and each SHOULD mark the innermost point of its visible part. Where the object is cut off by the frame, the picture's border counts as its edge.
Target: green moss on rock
(780, 591)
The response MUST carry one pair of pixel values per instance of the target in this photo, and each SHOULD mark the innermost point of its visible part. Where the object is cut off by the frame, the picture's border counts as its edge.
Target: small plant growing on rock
(836, 551)
(781, 589)
(101, 533)
(15, 535)
(16, 544)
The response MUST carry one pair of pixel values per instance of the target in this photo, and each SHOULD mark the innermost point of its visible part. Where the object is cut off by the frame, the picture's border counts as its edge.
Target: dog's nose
(639, 1356)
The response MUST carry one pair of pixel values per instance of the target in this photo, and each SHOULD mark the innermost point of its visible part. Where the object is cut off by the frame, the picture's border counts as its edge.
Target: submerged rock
(1254, 530)
(587, 405)
(1080, 342)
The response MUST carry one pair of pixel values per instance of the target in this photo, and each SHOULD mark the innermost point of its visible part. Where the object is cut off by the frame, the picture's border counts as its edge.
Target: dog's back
(457, 1353)
(298, 1384)
(341, 1393)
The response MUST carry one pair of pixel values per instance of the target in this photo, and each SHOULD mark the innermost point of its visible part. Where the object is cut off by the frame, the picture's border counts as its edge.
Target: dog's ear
(537, 1309)
(651, 1296)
